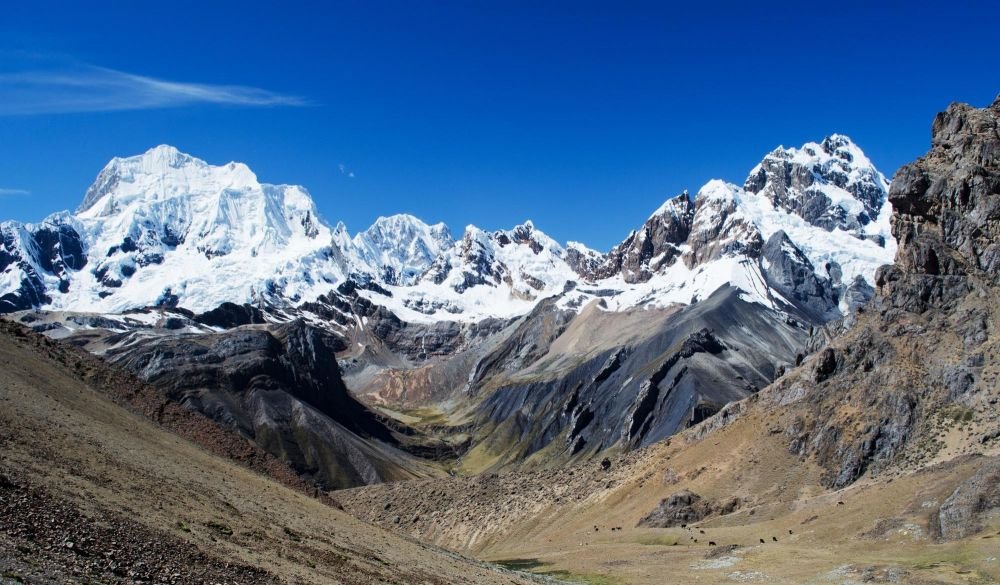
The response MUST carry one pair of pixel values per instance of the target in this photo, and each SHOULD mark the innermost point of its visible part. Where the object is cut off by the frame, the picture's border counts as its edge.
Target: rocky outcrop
(791, 274)
(947, 202)
(38, 255)
(917, 352)
(684, 507)
(230, 315)
(961, 514)
(719, 228)
(649, 249)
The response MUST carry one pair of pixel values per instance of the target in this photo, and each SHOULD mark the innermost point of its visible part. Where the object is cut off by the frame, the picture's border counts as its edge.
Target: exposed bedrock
(642, 392)
(279, 386)
(918, 360)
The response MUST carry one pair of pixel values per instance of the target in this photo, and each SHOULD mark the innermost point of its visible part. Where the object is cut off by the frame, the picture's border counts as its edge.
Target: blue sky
(581, 116)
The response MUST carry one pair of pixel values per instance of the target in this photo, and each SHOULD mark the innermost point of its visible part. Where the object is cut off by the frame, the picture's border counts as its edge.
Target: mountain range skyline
(167, 229)
(471, 114)
(81, 202)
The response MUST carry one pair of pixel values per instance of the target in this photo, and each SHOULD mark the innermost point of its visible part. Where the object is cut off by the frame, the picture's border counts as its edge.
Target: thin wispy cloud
(13, 192)
(345, 171)
(86, 88)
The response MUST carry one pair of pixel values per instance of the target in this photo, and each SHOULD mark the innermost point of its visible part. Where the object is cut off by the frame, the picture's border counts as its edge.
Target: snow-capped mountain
(825, 204)
(399, 249)
(807, 230)
(831, 185)
(164, 228)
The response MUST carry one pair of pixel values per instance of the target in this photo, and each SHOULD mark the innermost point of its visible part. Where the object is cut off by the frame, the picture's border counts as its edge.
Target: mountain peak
(159, 159)
(166, 152)
(831, 184)
(162, 172)
(675, 206)
(400, 247)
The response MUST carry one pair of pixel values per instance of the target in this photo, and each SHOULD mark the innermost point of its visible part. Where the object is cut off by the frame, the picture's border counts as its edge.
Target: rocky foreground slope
(99, 485)
(877, 459)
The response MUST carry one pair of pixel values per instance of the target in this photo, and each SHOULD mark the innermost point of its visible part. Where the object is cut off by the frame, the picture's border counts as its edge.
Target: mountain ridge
(163, 228)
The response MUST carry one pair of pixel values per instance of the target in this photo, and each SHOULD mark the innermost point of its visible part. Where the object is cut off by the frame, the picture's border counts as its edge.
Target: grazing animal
(684, 525)
(774, 538)
(711, 543)
(696, 540)
(762, 541)
(840, 503)
(789, 531)
(702, 531)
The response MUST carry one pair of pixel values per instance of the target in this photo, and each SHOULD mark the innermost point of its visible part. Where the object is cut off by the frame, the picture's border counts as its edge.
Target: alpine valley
(463, 354)
(806, 360)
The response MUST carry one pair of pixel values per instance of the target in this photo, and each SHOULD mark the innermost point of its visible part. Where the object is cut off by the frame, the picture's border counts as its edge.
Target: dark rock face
(858, 293)
(483, 267)
(721, 232)
(790, 272)
(585, 263)
(229, 315)
(684, 507)
(947, 203)
(646, 251)
(917, 350)
(61, 248)
(281, 388)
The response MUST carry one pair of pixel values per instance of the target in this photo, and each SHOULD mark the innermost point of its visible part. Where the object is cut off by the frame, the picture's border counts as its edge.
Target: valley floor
(580, 524)
(851, 543)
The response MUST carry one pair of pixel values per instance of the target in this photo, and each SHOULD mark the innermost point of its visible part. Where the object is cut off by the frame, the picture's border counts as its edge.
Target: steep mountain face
(928, 336)
(654, 246)
(35, 257)
(280, 387)
(832, 185)
(401, 248)
(499, 348)
(164, 228)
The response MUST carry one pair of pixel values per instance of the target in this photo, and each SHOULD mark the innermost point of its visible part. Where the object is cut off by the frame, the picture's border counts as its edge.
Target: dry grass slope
(95, 493)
